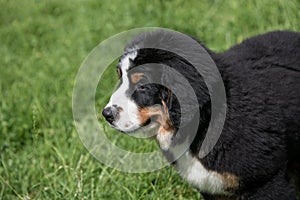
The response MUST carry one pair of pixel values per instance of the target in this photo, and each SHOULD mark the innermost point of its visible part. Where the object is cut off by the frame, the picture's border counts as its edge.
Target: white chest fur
(191, 169)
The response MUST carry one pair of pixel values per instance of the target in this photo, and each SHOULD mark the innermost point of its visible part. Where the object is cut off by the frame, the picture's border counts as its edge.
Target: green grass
(42, 46)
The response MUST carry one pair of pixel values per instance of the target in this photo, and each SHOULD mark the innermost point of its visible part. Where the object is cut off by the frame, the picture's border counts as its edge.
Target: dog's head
(140, 101)
(144, 98)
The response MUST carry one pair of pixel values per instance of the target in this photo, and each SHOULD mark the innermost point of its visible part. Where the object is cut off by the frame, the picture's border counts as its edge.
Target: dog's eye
(119, 72)
(141, 88)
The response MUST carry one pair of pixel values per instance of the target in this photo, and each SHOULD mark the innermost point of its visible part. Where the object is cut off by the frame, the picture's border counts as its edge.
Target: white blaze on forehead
(125, 61)
(127, 119)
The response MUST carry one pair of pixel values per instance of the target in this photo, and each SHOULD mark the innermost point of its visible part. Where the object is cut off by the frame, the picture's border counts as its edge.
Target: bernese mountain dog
(257, 155)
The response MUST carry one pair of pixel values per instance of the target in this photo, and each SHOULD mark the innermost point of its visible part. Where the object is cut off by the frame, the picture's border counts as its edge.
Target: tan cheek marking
(162, 117)
(136, 77)
(144, 115)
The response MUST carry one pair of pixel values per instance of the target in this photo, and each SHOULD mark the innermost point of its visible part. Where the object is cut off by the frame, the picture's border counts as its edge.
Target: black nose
(108, 114)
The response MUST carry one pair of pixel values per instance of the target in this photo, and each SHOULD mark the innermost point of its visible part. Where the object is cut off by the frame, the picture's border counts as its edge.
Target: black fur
(260, 141)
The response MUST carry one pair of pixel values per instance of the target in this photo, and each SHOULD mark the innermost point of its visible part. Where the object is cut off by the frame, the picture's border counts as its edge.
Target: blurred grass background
(42, 46)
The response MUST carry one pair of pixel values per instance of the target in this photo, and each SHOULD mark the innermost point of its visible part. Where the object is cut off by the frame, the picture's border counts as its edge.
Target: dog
(257, 155)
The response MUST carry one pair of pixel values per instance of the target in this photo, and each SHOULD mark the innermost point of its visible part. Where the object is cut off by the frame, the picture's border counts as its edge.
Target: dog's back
(266, 89)
(270, 68)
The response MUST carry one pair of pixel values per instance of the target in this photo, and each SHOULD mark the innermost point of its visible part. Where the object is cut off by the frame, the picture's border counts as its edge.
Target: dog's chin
(129, 131)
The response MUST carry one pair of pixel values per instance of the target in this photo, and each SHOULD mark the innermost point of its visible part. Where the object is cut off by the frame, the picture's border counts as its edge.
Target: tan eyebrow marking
(136, 77)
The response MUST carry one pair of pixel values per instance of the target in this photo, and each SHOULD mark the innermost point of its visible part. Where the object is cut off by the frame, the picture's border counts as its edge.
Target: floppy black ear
(170, 100)
(179, 95)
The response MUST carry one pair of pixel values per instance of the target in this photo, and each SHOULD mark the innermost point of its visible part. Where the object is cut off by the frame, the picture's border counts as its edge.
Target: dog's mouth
(145, 128)
(147, 123)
